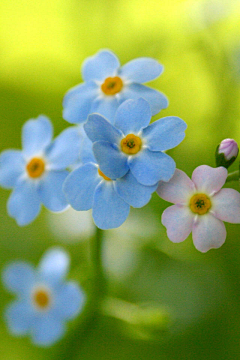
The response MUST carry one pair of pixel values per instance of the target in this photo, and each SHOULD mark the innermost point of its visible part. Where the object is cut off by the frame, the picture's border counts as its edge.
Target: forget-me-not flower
(107, 85)
(45, 299)
(36, 173)
(200, 207)
(110, 199)
(132, 144)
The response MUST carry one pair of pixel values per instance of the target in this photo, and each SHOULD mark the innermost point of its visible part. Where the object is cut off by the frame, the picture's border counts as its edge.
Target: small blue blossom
(107, 85)
(110, 199)
(36, 173)
(45, 299)
(132, 144)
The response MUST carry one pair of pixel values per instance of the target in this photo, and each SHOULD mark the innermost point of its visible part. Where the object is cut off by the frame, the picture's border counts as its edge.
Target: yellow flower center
(112, 85)
(131, 144)
(103, 175)
(200, 204)
(41, 298)
(35, 167)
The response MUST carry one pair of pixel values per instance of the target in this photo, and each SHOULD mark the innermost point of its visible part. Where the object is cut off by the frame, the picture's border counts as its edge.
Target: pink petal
(208, 232)
(208, 179)
(179, 221)
(177, 189)
(226, 205)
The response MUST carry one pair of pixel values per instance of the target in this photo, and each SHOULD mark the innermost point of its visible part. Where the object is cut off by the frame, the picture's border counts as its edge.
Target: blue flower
(132, 144)
(45, 299)
(110, 199)
(37, 172)
(107, 85)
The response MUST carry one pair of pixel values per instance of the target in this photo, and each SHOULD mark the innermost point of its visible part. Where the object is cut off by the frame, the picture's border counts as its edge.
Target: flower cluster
(114, 158)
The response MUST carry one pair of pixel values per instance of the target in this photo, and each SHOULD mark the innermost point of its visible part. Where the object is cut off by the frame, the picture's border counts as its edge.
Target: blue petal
(109, 210)
(11, 167)
(149, 167)
(98, 128)
(24, 203)
(100, 66)
(47, 330)
(54, 265)
(50, 190)
(19, 317)
(69, 300)
(164, 133)
(111, 161)
(64, 150)
(105, 106)
(132, 116)
(156, 99)
(78, 101)
(86, 152)
(18, 277)
(80, 186)
(141, 70)
(36, 135)
(134, 193)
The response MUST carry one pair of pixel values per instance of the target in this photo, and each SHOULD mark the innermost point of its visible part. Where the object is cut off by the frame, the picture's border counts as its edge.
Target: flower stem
(234, 176)
(71, 345)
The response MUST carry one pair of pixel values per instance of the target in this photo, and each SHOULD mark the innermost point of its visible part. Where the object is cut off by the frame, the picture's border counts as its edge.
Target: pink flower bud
(229, 148)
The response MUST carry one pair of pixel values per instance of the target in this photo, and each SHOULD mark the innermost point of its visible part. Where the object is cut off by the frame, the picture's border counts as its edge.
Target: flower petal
(18, 277)
(179, 221)
(80, 186)
(165, 133)
(177, 189)
(156, 99)
(78, 101)
(64, 150)
(131, 191)
(226, 205)
(208, 233)
(98, 128)
(24, 203)
(86, 153)
(19, 317)
(11, 167)
(100, 66)
(132, 116)
(109, 210)
(47, 330)
(50, 190)
(54, 265)
(106, 106)
(149, 167)
(209, 179)
(69, 300)
(112, 162)
(36, 135)
(141, 70)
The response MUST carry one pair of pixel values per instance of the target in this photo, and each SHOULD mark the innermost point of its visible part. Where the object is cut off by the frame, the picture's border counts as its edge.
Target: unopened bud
(226, 153)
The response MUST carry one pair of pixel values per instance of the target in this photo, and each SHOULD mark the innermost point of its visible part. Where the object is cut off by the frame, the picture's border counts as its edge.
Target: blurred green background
(43, 44)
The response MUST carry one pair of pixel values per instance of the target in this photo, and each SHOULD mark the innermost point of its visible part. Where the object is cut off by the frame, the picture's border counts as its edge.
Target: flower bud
(226, 153)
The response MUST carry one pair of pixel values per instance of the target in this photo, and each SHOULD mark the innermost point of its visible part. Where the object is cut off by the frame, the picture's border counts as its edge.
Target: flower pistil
(200, 204)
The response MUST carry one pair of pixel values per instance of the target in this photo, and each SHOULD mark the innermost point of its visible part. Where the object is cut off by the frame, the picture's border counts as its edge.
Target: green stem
(70, 346)
(234, 176)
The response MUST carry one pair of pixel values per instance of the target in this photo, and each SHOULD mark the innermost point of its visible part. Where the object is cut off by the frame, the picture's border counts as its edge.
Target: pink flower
(200, 207)
(229, 148)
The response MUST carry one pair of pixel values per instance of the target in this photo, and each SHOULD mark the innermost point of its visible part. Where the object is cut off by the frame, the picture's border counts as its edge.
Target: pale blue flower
(36, 173)
(45, 299)
(107, 85)
(132, 144)
(110, 199)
